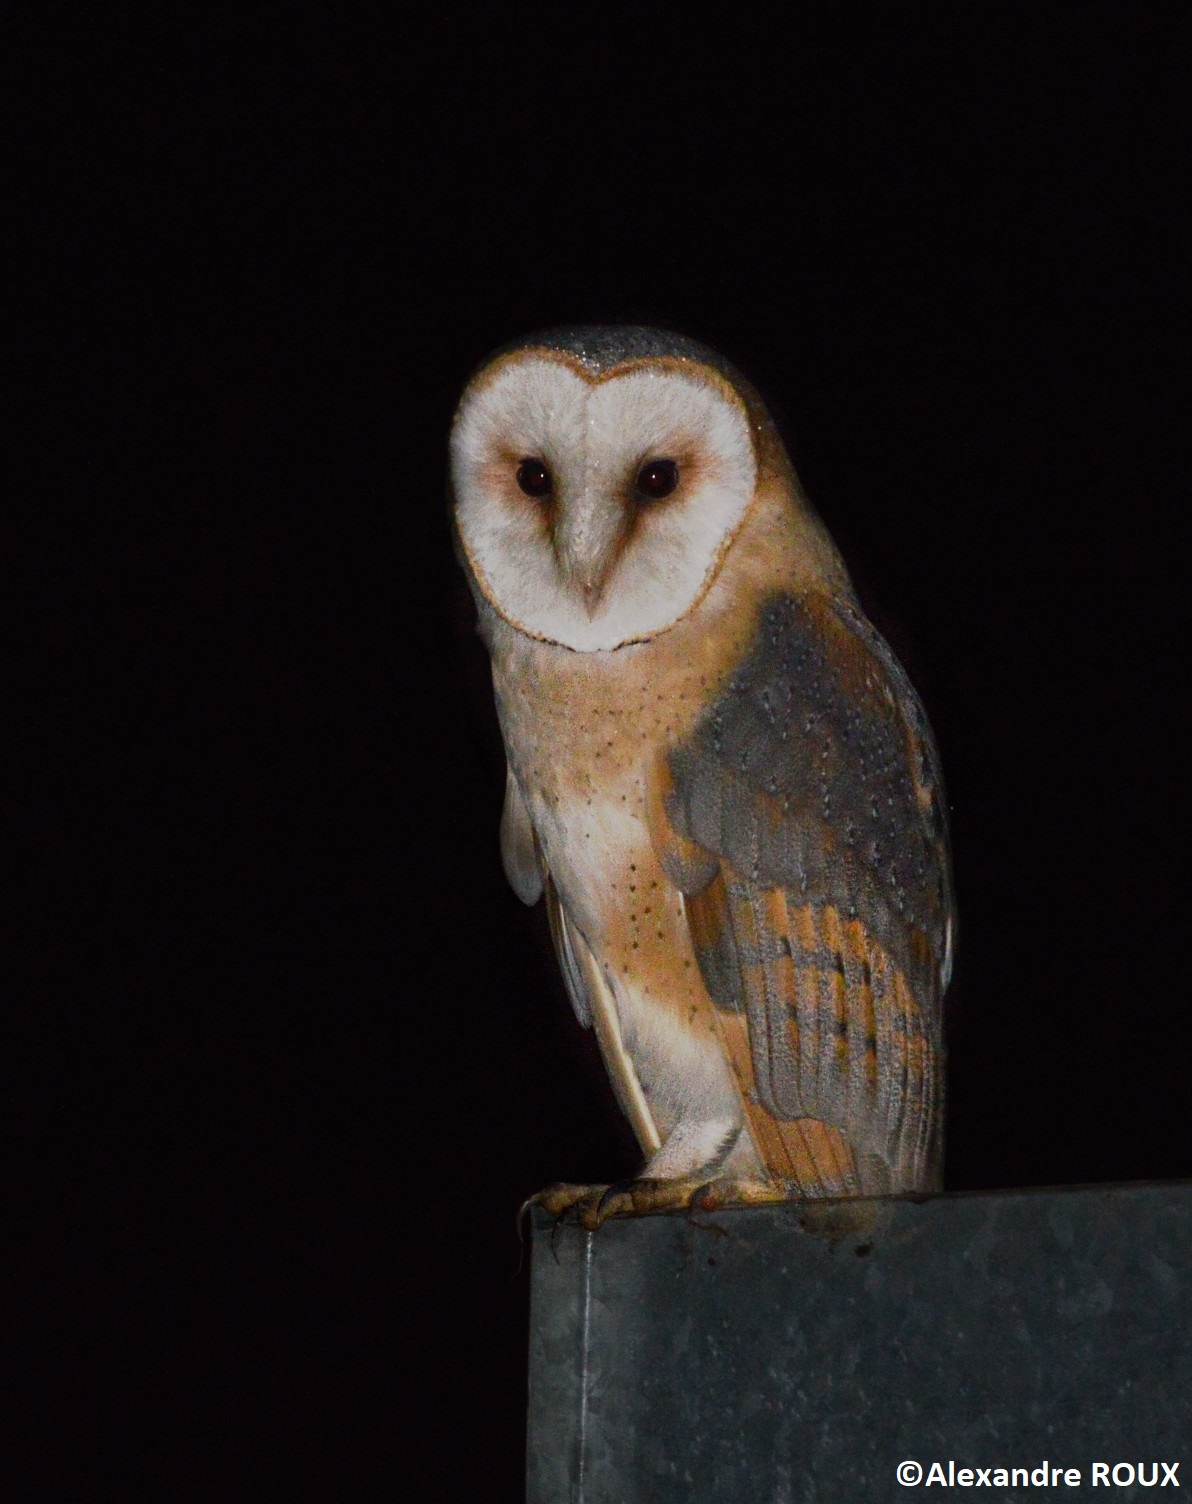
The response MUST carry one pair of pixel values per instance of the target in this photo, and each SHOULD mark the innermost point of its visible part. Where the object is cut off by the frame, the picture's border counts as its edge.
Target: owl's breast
(580, 748)
(582, 744)
(582, 732)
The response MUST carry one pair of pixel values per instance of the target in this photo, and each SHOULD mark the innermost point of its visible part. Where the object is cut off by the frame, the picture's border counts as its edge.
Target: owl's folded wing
(804, 821)
(519, 850)
(528, 877)
(587, 986)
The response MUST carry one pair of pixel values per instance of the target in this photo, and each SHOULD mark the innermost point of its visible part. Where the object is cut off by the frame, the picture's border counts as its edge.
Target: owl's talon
(620, 1190)
(620, 1199)
(564, 1200)
(639, 1198)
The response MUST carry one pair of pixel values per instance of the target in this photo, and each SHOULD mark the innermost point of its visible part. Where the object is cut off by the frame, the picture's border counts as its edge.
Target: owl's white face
(595, 513)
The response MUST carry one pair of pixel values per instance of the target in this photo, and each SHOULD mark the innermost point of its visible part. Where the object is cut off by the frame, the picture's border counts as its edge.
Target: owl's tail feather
(821, 1161)
(807, 1154)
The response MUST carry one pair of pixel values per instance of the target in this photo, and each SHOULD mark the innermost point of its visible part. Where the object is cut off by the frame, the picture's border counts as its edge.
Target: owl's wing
(587, 987)
(519, 850)
(804, 821)
(526, 869)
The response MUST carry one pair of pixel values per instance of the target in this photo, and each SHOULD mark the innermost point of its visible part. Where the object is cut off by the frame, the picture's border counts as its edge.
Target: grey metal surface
(738, 1357)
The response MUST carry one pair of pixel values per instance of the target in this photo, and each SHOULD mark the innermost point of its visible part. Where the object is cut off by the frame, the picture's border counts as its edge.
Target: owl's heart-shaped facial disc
(595, 511)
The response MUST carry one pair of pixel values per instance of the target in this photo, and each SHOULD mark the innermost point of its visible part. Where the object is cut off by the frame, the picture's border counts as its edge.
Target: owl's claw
(562, 1198)
(625, 1198)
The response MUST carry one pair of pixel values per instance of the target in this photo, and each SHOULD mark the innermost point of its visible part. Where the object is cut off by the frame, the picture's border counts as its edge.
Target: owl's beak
(590, 577)
(588, 537)
(590, 585)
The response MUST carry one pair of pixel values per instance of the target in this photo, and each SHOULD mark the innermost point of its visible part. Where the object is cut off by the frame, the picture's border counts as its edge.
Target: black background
(290, 1053)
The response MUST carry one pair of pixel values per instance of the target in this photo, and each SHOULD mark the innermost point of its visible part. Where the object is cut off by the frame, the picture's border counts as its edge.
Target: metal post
(739, 1357)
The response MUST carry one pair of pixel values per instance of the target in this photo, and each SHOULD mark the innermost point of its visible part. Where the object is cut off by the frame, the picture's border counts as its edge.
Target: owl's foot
(573, 1203)
(592, 1205)
(837, 1218)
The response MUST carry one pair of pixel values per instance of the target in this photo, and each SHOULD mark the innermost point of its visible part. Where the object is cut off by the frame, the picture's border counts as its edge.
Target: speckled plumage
(737, 815)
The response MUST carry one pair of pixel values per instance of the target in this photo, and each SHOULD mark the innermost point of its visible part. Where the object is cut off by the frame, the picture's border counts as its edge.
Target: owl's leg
(696, 1148)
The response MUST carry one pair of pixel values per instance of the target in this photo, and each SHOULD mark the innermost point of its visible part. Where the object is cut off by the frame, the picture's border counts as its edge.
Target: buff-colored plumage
(719, 776)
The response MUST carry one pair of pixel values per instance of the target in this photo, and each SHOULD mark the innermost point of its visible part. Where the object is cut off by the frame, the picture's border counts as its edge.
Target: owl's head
(599, 477)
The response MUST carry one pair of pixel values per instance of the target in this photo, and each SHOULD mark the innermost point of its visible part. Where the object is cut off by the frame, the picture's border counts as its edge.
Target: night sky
(290, 1053)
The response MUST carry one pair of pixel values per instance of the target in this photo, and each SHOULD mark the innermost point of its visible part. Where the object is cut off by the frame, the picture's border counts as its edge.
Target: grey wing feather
(927, 775)
(814, 778)
(815, 771)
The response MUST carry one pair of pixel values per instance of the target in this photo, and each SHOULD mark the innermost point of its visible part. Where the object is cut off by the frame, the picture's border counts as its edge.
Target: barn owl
(719, 776)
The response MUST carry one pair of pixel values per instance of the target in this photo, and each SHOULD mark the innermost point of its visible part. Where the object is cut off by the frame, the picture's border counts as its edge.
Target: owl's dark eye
(534, 478)
(657, 479)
